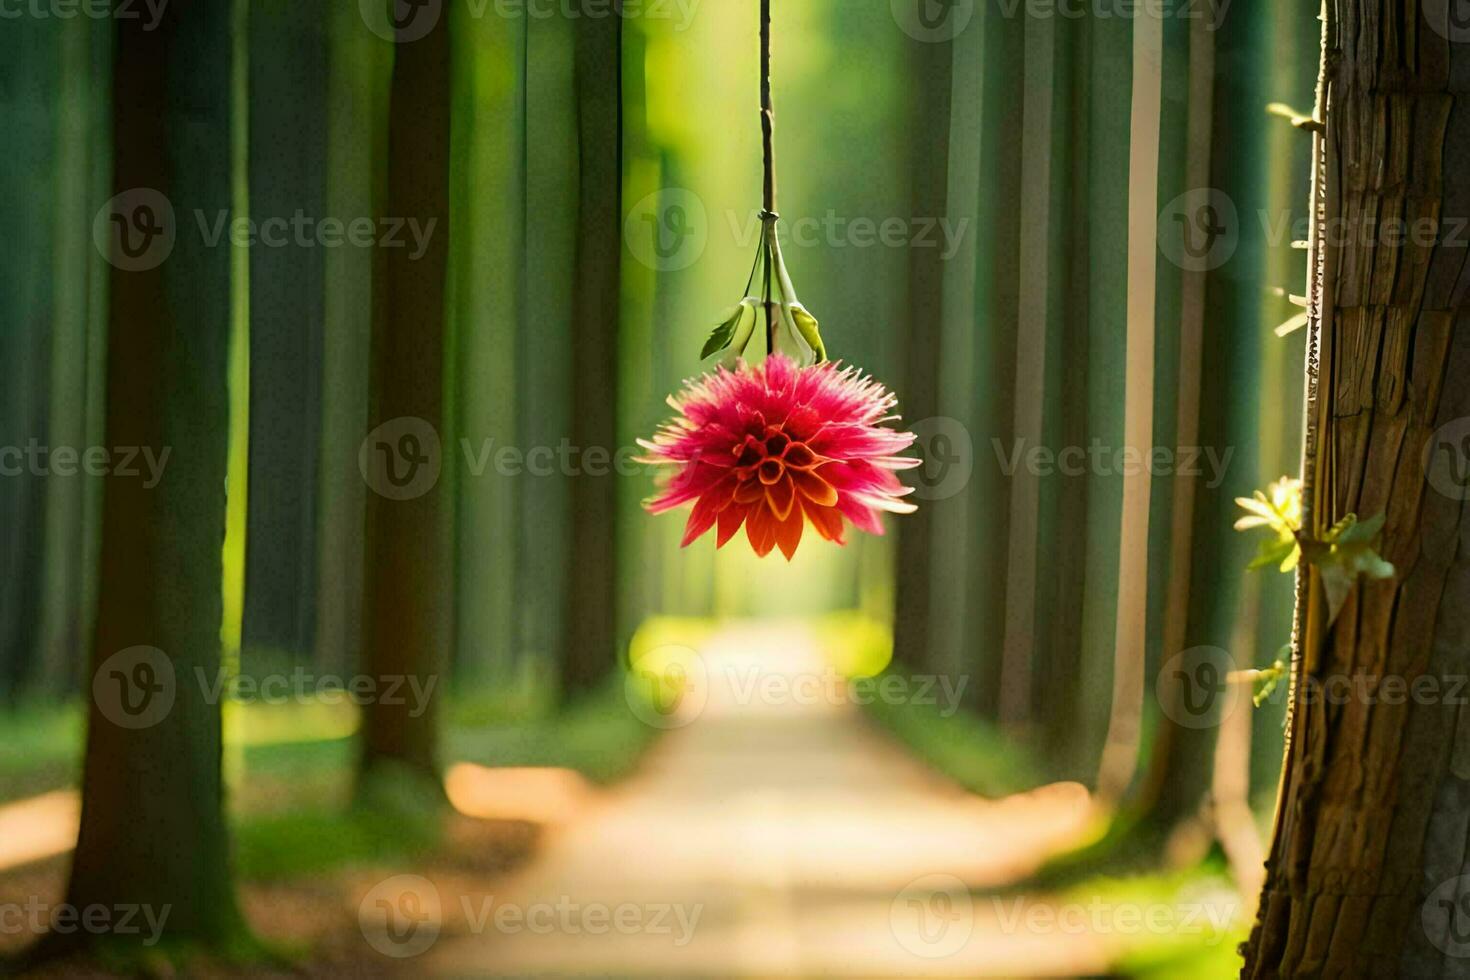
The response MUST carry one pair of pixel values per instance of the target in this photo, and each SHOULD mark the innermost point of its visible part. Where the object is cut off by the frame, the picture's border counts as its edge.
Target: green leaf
(744, 330)
(1348, 553)
(1272, 552)
(808, 326)
(721, 336)
(1268, 678)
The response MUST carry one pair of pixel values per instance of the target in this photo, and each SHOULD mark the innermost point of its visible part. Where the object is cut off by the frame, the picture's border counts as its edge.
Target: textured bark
(407, 598)
(590, 640)
(1373, 816)
(153, 827)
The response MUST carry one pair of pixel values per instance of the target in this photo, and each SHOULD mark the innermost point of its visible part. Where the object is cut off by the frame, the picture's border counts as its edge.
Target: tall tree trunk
(1370, 841)
(406, 598)
(929, 97)
(287, 119)
(29, 69)
(590, 640)
(153, 828)
(360, 65)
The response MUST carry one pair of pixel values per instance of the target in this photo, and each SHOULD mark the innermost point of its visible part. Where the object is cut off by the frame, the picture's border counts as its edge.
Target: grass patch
(1169, 924)
(596, 735)
(40, 749)
(963, 747)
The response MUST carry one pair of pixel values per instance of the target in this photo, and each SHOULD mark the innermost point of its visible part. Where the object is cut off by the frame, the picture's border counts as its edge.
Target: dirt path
(777, 836)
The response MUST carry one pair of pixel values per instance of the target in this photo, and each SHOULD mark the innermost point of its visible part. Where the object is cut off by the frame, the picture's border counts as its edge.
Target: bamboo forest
(421, 556)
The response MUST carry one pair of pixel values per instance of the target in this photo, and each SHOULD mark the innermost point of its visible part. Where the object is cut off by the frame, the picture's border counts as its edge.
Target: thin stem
(768, 112)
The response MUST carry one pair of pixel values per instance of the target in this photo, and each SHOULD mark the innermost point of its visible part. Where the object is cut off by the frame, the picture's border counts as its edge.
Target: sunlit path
(776, 835)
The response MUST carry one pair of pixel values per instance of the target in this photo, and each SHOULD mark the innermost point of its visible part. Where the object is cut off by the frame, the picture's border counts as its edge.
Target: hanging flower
(775, 446)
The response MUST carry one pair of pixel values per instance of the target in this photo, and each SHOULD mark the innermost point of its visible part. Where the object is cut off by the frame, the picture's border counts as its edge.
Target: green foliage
(1348, 549)
(595, 735)
(1269, 678)
(958, 744)
(733, 335)
(306, 842)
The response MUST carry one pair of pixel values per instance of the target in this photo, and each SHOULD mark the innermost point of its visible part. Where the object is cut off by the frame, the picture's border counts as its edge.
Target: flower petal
(730, 520)
(701, 519)
(814, 488)
(827, 520)
(760, 528)
(781, 495)
(788, 532)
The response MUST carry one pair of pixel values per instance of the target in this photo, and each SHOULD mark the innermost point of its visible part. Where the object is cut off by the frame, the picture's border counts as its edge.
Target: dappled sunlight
(38, 828)
(538, 795)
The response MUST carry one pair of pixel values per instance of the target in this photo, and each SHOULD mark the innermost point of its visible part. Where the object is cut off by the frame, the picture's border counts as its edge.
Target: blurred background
(285, 250)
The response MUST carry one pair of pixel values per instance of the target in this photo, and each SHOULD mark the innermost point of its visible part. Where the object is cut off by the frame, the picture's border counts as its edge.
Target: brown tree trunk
(1371, 832)
(590, 640)
(406, 600)
(153, 830)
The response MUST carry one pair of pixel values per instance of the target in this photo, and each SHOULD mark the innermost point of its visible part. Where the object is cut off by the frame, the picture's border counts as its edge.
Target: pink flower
(776, 446)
